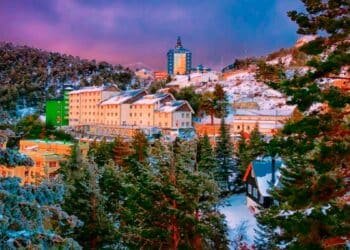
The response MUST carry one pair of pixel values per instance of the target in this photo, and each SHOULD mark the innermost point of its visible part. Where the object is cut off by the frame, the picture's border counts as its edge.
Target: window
(130, 106)
(187, 115)
(249, 188)
(261, 200)
(255, 192)
(26, 173)
(166, 124)
(238, 127)
(52, 164)
(130, 114)
(182, 115)
(149, 114)
(187, 124)
(182, 124)
(248, 127)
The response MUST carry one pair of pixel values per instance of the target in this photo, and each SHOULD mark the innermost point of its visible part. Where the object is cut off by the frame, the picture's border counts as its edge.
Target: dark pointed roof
(178, 43)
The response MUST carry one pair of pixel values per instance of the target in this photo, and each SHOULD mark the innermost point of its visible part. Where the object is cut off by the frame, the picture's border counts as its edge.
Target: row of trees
(159, 196)
(29, 76)
(313, 211)
(213, 103)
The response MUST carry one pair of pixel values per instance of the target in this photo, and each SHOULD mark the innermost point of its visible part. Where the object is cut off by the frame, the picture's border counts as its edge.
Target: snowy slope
(237, 212)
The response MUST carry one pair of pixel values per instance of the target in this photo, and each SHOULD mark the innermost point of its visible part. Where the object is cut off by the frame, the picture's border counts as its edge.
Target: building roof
(93, 89)
(173, 106)
(49, 141)
(179, 48)
(262, 169)
(154, 98)
(270, 112)
(122, 97)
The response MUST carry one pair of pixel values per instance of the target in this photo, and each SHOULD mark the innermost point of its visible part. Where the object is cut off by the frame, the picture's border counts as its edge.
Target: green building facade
(57, 111)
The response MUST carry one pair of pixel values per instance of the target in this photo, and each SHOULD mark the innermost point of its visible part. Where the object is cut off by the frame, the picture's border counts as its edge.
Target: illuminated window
(255, 192)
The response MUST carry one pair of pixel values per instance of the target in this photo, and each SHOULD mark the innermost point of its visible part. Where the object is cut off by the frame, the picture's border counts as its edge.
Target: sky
(142, 31)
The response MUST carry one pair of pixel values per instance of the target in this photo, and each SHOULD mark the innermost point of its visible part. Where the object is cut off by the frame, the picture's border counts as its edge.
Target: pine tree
(120, 151)
(31, 216)
(162, 208)
(224, 156)
(85, 199)
(208, 105)
(264, 237)
(13, 158)
(206, 158)
(215, 103)
(220, 101)
(102, 152)
(139, 145)
(312, 197)
(243, 154)
(249, 149)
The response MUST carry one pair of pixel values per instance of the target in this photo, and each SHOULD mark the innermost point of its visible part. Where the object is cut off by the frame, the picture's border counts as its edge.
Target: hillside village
(251, 156)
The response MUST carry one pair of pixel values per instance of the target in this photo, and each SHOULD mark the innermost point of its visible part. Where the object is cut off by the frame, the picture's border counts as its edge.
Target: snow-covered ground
(236, 211)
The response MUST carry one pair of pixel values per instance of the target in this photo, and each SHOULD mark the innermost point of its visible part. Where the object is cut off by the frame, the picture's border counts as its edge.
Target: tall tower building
(179, 60)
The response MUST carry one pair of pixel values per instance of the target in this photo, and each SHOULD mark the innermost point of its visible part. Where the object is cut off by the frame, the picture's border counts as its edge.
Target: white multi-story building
(107, 106)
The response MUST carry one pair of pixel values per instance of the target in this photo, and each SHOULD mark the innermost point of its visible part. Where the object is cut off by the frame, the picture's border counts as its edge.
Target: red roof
(336, 241)
(246, 135)
(247, 172)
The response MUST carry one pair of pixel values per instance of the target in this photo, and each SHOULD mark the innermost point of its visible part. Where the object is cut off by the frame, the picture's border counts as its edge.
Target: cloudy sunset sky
(134, 31)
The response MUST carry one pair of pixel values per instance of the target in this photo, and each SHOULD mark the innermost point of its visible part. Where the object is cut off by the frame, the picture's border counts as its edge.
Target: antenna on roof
(178, 43)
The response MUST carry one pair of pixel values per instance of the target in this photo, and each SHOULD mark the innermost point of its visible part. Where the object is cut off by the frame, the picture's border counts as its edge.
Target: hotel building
(109, 107)
(179, 60)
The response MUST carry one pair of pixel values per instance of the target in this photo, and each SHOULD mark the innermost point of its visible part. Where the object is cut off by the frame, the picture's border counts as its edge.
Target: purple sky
(132, 31)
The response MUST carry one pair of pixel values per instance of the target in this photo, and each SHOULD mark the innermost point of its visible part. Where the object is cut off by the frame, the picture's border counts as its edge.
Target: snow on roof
(173, 106)
(122, 97)
(30, 148)
(271, 112)
(194, 78)
(87, 89)
(91, 89)
(151, 99)
(263, 173)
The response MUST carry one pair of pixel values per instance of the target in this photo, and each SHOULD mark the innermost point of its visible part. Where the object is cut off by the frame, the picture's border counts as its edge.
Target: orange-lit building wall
(180, 63)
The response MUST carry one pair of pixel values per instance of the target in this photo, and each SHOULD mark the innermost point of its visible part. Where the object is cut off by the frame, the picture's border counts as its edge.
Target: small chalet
(261, 175)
